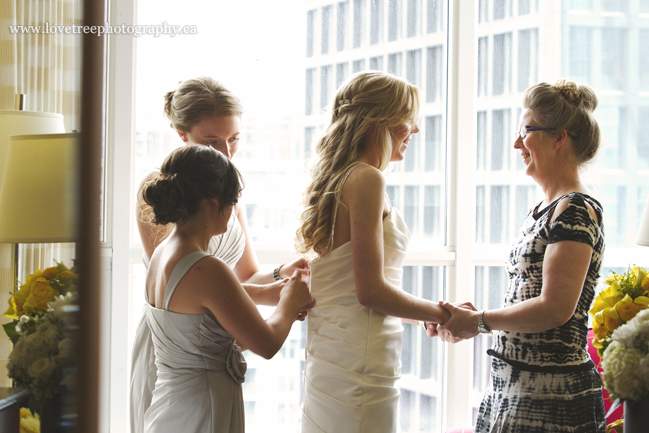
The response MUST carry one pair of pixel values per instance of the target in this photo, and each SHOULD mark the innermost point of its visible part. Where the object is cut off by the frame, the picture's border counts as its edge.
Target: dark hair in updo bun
(567, 105)
(187, 176)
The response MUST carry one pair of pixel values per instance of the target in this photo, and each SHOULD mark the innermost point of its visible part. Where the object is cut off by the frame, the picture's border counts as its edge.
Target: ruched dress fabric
(228, 247)
(353, 353)
(200, 369)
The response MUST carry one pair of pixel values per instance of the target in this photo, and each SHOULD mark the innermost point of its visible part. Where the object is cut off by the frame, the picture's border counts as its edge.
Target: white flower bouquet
(42, 356)
(626, 360)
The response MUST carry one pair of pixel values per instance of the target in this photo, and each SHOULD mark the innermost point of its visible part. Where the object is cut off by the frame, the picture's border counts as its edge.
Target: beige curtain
(46, 68)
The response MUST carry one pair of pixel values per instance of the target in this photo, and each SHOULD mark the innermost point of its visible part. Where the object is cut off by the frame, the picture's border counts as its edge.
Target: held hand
(433, 331)
(290, 268)
(463, 323)
(297, 292)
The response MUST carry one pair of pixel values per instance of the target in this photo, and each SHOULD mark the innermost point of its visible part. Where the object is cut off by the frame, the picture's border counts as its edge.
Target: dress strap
(179, 272)
(330, 244)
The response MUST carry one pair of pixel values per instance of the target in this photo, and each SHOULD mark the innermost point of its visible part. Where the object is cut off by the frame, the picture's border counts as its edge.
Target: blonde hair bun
(577, 94)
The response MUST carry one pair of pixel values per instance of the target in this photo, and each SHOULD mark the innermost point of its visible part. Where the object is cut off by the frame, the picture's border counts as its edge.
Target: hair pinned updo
(187, 176)
(197, 99)
(567, 105)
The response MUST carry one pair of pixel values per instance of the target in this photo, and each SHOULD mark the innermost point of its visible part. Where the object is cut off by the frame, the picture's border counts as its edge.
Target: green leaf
(10, 330)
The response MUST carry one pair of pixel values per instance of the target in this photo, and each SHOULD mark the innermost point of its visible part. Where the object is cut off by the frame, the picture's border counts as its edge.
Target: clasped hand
(462, 325)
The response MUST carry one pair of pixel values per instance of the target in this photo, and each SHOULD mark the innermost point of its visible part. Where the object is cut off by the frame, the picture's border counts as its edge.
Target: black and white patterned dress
(545, 381)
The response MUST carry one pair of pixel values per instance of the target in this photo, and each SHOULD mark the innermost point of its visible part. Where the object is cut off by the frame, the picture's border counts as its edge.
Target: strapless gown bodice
(353, 352)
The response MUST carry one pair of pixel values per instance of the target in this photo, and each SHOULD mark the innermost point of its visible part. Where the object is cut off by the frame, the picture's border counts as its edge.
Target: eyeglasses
(525, 129)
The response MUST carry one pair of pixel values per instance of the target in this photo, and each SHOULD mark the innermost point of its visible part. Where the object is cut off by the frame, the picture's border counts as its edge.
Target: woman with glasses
(542, 378)
(198, 313)
(203, 113)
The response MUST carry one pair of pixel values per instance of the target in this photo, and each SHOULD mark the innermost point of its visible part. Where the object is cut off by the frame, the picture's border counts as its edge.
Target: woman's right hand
(296, 291)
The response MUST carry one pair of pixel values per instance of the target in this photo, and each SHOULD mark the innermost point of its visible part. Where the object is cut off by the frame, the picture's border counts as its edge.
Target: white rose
(66, 348)
(41, 369)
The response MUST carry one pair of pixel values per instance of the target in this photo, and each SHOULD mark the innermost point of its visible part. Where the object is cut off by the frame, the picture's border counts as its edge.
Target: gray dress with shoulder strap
(227, 247)
(200, 368)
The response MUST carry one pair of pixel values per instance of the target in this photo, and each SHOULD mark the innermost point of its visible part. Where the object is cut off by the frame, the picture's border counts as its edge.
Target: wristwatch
(481, 326)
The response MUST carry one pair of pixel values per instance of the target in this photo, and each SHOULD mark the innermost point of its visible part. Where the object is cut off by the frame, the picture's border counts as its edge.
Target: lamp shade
(643, 233)
(25, 122)
(38, 196)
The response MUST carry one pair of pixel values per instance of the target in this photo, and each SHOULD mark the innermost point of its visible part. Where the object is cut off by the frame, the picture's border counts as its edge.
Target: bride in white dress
(354, 333)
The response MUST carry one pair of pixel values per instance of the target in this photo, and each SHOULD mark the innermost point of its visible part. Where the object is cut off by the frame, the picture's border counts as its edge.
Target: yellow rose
(50, 273)
(39, 298)
(613, 278)
(628, 310)
(16, 303)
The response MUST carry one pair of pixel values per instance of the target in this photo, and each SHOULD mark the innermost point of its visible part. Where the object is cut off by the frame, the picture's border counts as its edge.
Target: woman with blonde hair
(542, 378)
(359, 242)
(203, 113)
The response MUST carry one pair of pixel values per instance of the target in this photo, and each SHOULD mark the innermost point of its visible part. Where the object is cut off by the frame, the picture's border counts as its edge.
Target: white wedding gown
(352, 352)
(229, 248)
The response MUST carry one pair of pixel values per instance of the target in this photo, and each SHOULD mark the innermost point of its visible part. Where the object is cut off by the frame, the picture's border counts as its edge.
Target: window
(412, 27)
(502, 64)
(483, 66)
(434, 13)
(326, 91)
(395, 11)
(614, 43)
(310, 24)
(327, 13)
(358, 65)
(434, 73)
(413, 67)
(342, 71)
(341, 25)
(376, 63)
(528, 58)
(395, 64)
(376, 21)
(310, 80)
(359, 22)
(599, 45)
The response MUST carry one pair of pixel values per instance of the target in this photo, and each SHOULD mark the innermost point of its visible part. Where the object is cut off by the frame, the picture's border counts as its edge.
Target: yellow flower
(645, 284)
(613, 278)
(67, 275)
(39, 298)
(604, 300)
(50, 273)
(628, 310)
(30, 424)
(611, 319)
(25, 412)
(599, 330)
(639, 275)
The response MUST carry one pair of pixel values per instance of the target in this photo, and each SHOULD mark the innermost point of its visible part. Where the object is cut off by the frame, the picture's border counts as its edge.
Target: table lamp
(38, 195)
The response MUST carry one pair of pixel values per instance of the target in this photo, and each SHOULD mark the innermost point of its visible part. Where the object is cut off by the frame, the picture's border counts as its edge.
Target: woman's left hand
(463, 323)
(289, 268)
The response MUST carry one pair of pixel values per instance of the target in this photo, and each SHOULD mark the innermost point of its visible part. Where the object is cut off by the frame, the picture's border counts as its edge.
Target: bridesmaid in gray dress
(199, 315)
(202, 112)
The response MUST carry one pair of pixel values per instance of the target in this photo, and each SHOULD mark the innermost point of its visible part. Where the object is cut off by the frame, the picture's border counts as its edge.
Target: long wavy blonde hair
(367, 100)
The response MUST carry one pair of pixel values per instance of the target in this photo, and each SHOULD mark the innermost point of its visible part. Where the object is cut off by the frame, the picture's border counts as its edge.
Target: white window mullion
(462, 130)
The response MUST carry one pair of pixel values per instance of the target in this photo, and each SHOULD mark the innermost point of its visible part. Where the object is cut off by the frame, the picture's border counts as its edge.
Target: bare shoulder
(208, 270)
(365, 179)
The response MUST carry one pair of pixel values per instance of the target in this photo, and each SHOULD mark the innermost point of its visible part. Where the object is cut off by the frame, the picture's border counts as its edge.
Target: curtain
(47, 69)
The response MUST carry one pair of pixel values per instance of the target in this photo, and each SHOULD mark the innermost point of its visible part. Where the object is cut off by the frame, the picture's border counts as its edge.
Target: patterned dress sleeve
(575, 224)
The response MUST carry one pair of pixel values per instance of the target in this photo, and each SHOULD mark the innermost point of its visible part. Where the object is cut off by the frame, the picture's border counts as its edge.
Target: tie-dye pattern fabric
(545, 381)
